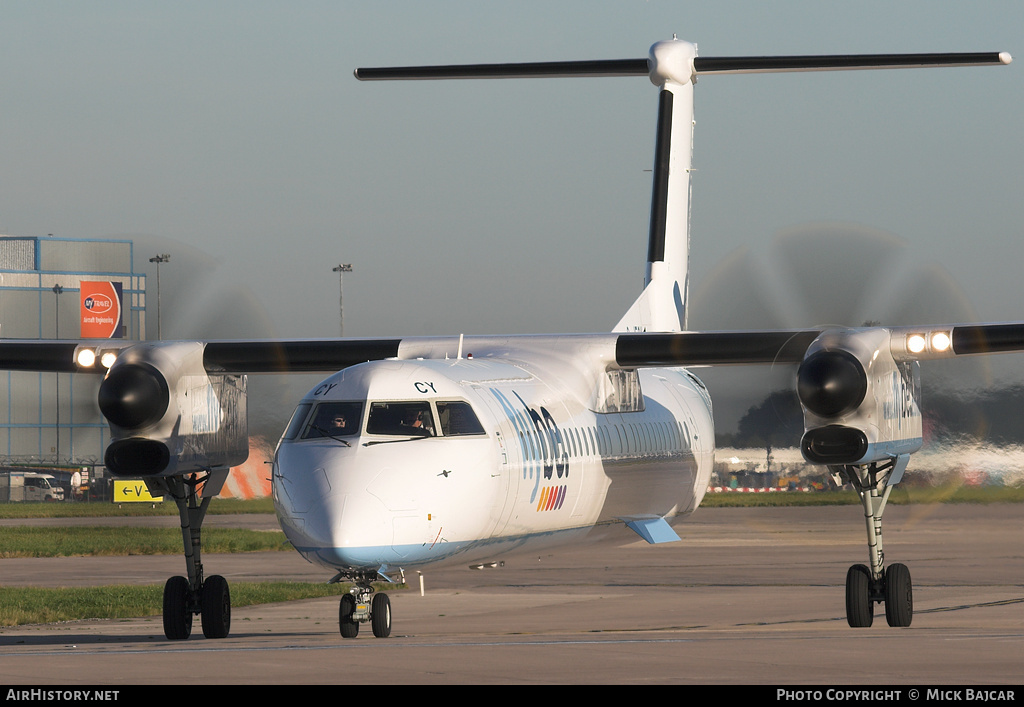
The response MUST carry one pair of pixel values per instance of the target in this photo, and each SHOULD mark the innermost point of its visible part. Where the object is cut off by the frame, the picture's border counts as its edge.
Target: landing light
(915, 343)
(86, 358)
(940, 341)
(932, 342)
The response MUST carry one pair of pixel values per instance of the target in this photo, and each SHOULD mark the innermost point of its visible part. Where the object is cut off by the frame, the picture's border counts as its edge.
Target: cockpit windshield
(458, 418)
(408, 418)
(334, 419)
(401, 418)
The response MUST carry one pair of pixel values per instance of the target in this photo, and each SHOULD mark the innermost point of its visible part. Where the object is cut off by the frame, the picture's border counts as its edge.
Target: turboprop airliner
(421, 451)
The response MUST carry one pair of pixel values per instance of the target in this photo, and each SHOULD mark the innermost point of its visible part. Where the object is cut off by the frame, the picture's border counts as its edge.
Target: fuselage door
(500, 431)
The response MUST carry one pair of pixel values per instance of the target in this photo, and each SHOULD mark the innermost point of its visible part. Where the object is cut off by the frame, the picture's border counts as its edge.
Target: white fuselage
(531, 464)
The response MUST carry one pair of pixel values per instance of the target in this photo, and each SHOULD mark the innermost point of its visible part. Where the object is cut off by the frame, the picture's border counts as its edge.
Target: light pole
(57, 290)
(161, 258)
(341, 269)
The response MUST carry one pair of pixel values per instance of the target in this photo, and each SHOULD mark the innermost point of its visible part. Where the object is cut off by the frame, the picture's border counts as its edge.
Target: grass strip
(40, 509)
(949, 493)
(38, 605)
(22, 541)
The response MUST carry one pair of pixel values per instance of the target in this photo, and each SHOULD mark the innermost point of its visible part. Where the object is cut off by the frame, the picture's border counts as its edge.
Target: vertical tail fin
(662, 304)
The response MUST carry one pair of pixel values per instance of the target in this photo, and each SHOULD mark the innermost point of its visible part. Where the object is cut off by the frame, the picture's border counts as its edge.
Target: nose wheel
(363, 605)
(867, 585)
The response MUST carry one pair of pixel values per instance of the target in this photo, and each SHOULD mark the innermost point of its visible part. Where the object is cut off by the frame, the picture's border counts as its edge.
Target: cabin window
(334, 419)
(401, 418)
(457, 419)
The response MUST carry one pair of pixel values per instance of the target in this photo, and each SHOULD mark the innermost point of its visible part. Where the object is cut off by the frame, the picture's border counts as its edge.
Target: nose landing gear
(362, 605)
(868, 585)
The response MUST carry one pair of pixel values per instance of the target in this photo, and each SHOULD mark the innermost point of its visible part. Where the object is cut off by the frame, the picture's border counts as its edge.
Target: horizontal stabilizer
(528, 70)
(842, 62)
(701, 66)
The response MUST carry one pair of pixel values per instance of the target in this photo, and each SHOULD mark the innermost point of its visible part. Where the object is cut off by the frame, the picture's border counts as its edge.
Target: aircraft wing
(752, 347)
(630, 350)
(255, 356)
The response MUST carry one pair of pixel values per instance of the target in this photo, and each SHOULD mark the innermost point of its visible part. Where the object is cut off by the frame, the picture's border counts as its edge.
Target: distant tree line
(995, 416)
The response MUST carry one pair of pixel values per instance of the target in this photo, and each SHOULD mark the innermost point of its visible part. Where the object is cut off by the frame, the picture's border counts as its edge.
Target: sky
(233, 136)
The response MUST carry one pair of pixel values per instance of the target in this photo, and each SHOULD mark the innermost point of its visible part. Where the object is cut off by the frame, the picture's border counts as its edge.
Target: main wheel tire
(215, 602)
(899, 596)
(177, 615)
(859, 607)
(380, 615)
(349, 627)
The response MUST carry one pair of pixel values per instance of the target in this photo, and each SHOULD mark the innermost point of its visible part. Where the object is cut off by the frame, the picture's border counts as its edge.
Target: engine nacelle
(860, 405)
(168, 416)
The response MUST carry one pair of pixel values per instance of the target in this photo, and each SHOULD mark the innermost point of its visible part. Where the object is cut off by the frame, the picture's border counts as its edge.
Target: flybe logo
(899, 405)
(541, 444)
(551, 498)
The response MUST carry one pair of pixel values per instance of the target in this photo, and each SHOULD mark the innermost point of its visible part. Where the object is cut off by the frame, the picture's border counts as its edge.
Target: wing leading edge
(632, 350)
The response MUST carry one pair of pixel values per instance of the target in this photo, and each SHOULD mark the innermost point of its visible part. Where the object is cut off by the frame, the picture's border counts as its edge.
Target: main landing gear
(868, 585)
(362, 605)
(185, 597)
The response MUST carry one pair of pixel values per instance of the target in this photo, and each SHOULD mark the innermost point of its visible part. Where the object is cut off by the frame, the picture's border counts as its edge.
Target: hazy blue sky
(236, 129)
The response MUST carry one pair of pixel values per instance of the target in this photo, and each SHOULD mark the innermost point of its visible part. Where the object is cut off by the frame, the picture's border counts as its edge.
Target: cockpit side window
(298, 418)
(401, 418)
(457, 418)
(334, 419)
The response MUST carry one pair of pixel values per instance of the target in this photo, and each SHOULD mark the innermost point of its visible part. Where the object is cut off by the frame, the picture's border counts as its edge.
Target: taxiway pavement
(750, 596)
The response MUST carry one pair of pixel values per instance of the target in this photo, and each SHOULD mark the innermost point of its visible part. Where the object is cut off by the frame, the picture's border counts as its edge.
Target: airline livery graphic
(101, 310)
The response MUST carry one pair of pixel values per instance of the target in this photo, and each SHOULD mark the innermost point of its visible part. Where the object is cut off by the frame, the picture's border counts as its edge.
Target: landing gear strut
(185, 597)
(867, 585)
(362, 605)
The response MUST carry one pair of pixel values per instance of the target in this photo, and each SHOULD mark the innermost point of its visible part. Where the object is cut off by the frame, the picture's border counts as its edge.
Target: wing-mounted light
(168, 416)
(99, 358)
(860, 403)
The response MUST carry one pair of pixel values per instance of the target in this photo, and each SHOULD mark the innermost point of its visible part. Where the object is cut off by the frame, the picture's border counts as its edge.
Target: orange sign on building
(101, 310)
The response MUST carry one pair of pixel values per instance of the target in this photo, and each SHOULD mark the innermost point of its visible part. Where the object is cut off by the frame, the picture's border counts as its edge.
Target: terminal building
(62, 288)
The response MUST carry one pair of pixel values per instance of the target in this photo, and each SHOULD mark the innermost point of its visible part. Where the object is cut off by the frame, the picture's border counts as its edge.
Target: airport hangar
(54, 288)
